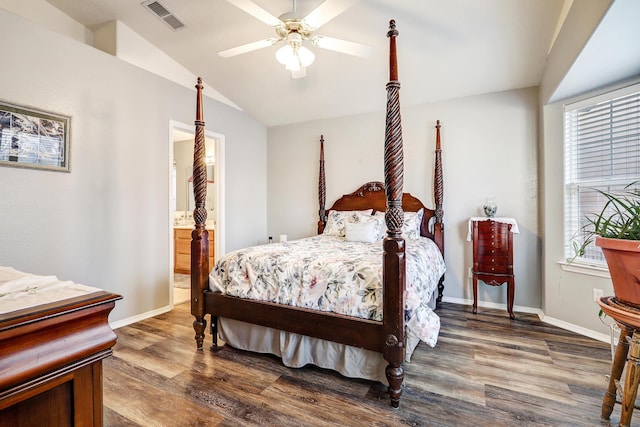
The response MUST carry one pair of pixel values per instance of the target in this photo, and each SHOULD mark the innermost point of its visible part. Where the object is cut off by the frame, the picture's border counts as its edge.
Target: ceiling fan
(295, 30)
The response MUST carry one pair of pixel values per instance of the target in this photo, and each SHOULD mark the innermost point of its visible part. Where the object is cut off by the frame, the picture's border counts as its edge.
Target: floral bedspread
(328, 273)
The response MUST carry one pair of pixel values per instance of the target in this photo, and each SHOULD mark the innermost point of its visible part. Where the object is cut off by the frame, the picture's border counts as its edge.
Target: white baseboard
(546, 319)
(495, 305)
(577, 329)
(133, 319)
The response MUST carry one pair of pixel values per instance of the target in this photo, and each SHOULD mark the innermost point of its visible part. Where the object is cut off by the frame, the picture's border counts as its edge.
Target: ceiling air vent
(162, 13)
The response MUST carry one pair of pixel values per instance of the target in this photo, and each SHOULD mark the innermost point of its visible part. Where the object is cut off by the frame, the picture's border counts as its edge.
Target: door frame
(219, 175)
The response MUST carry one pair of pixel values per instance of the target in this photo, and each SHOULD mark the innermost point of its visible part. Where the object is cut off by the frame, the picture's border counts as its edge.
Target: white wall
(567, 297)
(489, 145)
(106, 223)
(43, 13)
(121, 41)
(579, 24)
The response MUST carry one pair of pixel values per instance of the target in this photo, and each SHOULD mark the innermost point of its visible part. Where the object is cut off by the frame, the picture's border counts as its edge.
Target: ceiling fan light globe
(293, 64)
(306, 56)
(299, 74)
(285, 54)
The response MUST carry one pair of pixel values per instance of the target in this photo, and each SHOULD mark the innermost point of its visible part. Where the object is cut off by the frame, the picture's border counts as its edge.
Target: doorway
(182, 204)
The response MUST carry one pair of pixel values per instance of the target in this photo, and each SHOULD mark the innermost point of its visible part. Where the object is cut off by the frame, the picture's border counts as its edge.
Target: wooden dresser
(51, 362)
(493, 258)
(182, 249)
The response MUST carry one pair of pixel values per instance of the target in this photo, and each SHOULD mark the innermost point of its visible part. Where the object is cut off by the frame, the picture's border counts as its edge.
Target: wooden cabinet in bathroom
(182, 249)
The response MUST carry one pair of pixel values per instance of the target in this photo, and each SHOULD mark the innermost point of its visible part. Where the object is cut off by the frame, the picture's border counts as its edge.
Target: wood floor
(485, 371)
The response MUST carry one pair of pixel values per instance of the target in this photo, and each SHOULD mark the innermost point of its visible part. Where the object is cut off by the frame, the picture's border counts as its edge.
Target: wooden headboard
(372, 195)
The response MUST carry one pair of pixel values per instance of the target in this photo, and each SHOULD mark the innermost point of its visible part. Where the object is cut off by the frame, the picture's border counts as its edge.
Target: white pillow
(379, 224)
(361, 232)
(380, 228)
(410, 225)
(337, 220)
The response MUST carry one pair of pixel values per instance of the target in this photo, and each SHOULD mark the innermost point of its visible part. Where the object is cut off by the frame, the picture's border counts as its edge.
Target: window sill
(598, 270)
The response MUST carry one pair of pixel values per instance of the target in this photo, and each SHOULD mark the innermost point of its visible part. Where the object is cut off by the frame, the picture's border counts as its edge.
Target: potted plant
(616, 230)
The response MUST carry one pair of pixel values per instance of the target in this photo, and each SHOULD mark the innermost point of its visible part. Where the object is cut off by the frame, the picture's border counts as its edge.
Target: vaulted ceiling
(446, 49)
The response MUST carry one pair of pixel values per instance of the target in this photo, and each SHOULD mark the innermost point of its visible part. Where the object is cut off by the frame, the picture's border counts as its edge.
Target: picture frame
(35, 139)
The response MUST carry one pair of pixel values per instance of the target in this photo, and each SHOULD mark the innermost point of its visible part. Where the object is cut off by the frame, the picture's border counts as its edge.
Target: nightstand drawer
(492, 228)
(493, 264)
(493, 239)
(493, 250)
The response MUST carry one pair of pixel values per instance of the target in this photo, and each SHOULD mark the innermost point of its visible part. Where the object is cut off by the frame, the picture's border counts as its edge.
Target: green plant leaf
(618, 219)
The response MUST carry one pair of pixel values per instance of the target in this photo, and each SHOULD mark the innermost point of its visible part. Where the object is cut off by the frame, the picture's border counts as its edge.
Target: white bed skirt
(298, 350)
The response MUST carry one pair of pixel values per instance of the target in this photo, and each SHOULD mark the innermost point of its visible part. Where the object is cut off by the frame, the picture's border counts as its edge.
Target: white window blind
(602, 152)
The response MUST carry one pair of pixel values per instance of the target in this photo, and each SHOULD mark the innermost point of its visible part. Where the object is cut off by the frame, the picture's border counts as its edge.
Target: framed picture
(33, 139)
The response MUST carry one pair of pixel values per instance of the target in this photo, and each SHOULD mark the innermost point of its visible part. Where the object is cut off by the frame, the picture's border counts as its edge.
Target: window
(602, 152)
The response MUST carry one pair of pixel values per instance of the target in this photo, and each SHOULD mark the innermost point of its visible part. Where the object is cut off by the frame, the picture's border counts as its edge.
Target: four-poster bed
(383, 333)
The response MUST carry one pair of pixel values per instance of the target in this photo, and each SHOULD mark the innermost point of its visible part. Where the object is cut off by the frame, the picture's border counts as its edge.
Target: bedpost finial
(392, 29)
(393, 57)
(199, 113)
(437, 124)
(322, 138)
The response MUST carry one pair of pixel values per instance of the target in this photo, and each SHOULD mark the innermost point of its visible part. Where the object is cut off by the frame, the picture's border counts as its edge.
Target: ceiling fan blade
(256, 11)
(342, 46)
(249, 47)
(327, 10)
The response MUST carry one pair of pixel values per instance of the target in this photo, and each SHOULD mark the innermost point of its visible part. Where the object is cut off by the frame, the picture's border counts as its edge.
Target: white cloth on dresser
(19, 290)
(512, 221)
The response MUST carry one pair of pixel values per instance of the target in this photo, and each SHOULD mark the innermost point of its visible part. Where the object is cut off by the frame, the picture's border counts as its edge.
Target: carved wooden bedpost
(393, 273)
(322, 189)
(200, 235)
(438, 228)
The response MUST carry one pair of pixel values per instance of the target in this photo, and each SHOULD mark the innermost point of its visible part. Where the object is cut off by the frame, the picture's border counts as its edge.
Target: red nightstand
(493, 257)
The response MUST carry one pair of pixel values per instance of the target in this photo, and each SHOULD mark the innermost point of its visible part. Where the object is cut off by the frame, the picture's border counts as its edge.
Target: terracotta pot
(623, 259)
